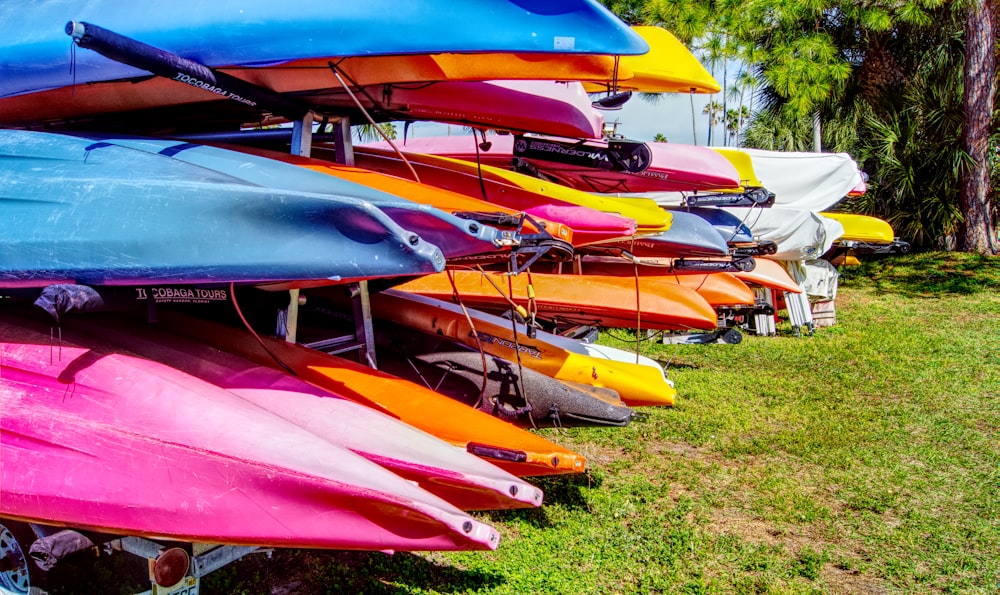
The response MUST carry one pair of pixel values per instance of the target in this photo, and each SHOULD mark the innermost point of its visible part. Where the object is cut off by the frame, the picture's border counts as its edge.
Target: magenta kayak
(98, 439)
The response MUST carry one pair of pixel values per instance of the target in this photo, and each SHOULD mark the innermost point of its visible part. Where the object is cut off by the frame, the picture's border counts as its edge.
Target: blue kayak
(35, 52)
(71, 213)
(456, 237)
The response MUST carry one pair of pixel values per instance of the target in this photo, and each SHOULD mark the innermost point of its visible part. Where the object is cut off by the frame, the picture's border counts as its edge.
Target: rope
(367, 116)
(472, 326)
(236, 305)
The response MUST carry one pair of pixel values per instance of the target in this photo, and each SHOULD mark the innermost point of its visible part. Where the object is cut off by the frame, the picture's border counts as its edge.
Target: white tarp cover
(818, 278)
(800, 235)
(807, 181)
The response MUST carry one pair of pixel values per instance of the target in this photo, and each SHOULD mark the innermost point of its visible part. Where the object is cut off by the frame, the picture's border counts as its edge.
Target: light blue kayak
(456, 237)
(35, 52)
(114, 215)
(729, 226)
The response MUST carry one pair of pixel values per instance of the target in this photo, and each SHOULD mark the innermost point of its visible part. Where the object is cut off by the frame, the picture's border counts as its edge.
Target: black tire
(19, 575)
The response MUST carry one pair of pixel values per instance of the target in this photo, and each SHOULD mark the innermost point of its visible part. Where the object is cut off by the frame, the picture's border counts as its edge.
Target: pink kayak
(98, 439)
(466, 481)
(588, 225)
(674, 167)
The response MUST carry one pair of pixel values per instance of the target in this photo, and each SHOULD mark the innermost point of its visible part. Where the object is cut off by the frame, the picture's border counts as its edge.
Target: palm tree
(713, 109)
(978, 231)
(366, 133)
(712, 52)
(734, 123)
(660, 138)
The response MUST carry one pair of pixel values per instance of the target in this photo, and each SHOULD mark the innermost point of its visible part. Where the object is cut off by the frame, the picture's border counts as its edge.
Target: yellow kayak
(668, 67)
(743, 164)
(863, 228)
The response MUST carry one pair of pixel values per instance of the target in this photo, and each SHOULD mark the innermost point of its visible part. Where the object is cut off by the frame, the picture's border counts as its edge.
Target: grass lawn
(862, 459)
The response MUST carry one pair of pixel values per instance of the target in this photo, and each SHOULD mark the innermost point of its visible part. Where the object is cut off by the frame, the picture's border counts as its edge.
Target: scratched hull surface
(77, 211)
(453, 235)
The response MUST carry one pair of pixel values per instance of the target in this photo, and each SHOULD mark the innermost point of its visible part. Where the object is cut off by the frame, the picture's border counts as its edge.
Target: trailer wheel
(18, 573)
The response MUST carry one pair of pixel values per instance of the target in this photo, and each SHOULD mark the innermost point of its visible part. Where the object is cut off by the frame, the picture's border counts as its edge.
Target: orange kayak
(720, 290)
(559, 357)
(511, 448)
(304, 76)
(583, 299)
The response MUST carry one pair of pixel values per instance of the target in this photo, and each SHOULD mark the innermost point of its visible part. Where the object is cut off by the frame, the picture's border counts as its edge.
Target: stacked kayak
(863, 235)
(590, 300)
(263, 42)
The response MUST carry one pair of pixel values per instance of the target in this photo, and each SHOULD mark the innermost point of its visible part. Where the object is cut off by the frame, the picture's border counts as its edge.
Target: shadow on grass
(927, 274)
(565, 491)
(315, 572)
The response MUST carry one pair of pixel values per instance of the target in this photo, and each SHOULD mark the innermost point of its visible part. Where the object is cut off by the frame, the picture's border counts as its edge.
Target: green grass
(861, 459)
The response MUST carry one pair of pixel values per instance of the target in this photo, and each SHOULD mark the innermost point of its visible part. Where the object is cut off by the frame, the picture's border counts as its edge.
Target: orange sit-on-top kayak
(720, 290)
(511, 448)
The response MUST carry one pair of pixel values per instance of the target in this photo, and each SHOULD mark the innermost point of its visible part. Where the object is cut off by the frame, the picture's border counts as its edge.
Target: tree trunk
(817, 132)
(977, 233)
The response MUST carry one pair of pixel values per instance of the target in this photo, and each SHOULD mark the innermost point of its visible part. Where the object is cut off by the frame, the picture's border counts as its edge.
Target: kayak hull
(720, 290)
(588, 224)
(511, 392)
(455, 236)
(648, 216)
(674, 167)
(466, 481)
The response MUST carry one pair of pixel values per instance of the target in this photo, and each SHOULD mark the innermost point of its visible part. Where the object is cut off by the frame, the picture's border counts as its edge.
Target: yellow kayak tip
(668, 67)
